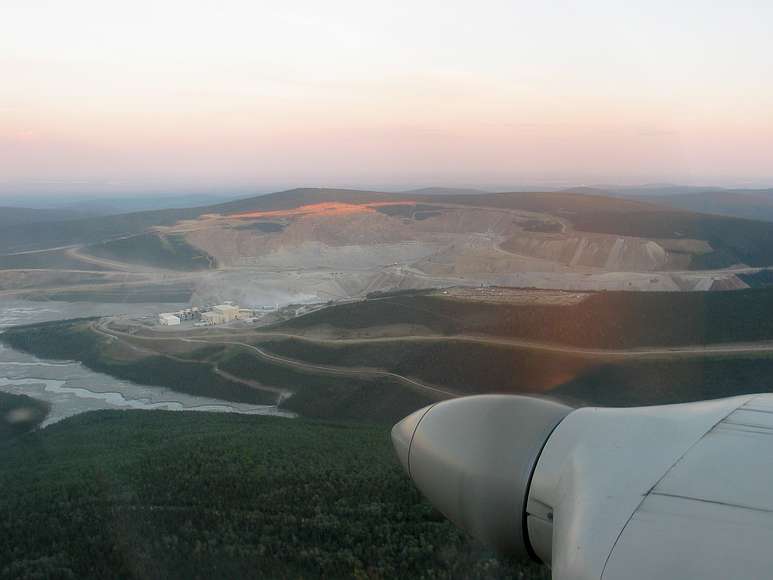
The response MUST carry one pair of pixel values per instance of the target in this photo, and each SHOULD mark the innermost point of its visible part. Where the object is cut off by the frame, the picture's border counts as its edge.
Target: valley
(374, 304)
(380, 358)
(361, 307)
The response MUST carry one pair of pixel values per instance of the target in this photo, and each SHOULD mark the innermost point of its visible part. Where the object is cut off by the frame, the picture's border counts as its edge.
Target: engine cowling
(474, 459)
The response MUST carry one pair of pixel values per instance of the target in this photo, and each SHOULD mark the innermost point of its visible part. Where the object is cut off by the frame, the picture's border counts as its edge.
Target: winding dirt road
(637, 352)
(101, 328)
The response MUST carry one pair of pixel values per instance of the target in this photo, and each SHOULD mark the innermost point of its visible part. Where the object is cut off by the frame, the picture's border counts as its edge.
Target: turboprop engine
(675, 491)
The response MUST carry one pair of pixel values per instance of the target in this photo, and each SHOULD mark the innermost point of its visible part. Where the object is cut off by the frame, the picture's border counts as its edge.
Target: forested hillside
(156, 250)
(138, 494)
(611, 320)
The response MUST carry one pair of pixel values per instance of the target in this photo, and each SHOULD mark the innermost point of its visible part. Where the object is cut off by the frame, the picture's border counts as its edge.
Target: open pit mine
(317, 246)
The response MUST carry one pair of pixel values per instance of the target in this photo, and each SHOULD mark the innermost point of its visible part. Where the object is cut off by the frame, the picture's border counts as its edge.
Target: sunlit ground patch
(332, 208)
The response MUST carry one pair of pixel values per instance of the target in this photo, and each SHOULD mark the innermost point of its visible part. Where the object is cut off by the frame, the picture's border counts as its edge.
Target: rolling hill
(21, 237)
(156, 250)
(379, 359)
(732, 240)
(754, 204)
(748, 204)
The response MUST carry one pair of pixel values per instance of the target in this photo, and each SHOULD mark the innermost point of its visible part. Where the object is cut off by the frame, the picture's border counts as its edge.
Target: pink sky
(249, 93)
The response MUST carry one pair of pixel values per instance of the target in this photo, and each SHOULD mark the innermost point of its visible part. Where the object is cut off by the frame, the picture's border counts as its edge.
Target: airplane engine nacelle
(673, 491)
(474, 457)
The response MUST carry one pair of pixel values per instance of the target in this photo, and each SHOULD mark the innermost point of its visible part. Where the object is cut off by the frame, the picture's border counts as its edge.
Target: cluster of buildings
(219, 314)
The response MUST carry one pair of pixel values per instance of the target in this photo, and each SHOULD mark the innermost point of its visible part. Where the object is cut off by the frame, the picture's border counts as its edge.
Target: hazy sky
(96, 94)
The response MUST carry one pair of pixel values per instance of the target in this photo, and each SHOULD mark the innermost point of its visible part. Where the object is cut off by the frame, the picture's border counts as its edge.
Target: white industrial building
(212, 317)
(220, 314)
(228, 312)
(187, 313)
(168, 319)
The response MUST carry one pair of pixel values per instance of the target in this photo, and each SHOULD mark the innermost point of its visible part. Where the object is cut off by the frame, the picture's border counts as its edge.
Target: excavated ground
(342, 251)
(339, 251)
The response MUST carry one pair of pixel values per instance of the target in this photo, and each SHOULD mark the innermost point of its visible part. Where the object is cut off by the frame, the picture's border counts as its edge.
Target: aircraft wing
(710, 515)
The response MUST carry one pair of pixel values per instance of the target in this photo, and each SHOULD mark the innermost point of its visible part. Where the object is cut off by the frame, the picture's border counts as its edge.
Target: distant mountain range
(19, 216)
(751, 204)
(444, 191)
(96, 206)
(754, 204)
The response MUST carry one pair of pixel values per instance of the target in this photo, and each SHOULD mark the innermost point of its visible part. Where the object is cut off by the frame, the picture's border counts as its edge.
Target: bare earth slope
(313, 245)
